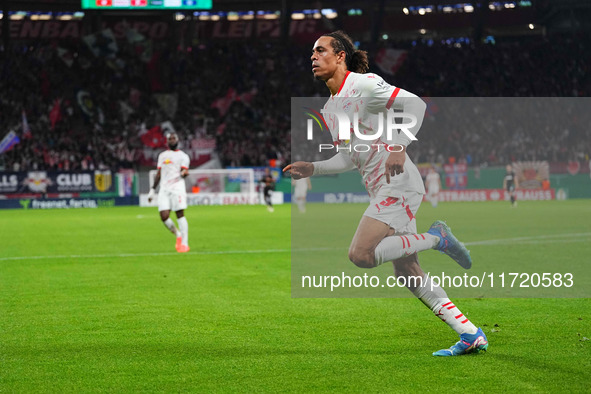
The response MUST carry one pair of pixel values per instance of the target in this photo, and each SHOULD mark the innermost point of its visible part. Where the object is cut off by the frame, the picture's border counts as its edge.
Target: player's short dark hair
(355, 59)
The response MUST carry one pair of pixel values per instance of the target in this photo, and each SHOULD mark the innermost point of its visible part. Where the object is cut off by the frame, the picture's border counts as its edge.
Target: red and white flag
(223, 103)
(154, 138)
(389, 60)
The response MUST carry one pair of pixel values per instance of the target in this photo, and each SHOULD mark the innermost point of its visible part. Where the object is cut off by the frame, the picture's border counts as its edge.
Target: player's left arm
(185, 166)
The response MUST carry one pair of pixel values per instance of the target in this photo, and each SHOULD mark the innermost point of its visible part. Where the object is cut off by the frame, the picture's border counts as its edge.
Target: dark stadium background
(224, 80)
(96, 300)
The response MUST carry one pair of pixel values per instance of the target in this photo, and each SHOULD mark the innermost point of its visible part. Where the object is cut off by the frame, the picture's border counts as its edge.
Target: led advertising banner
(147, 4)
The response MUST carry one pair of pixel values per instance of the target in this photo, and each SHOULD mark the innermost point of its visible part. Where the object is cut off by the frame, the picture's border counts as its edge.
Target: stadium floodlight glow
(468, 8)
(421, 11)
(179, 16)
(297, 16)
(448, 9)
(384, 36)
(215, 17)
(17, 16)
(531, 26)
(423, 31)
(329, 13)
(271, 16)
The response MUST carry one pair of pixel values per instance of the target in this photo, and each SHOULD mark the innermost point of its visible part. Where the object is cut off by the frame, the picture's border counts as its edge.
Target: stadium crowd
(105, 111)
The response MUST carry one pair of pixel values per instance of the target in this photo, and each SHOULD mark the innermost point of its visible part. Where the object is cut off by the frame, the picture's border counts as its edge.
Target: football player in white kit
(433, 183)
(173, 167)
(300, 191)
(387, 230)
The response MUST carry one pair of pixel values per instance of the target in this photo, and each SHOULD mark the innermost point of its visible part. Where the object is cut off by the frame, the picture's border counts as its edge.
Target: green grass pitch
(98, 300)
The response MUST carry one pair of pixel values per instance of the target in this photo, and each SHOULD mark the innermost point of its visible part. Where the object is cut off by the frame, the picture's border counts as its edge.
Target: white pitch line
(93, 256)
(534, 238)
(522, 240)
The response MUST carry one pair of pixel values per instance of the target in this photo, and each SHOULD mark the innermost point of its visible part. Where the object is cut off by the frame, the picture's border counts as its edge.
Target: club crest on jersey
(167, 161)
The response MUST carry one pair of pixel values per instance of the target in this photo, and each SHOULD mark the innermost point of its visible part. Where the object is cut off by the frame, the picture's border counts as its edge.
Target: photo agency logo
(389, 123)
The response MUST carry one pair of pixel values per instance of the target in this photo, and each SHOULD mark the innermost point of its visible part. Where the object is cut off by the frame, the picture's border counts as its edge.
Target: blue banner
(56, 182)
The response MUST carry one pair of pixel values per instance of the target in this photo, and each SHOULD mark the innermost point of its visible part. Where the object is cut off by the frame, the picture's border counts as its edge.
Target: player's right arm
(156, 180)
(154, 186)
(335, 165)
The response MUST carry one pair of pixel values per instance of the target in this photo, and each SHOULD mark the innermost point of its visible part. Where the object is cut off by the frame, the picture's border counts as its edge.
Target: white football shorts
(396, 211)
(172, 200)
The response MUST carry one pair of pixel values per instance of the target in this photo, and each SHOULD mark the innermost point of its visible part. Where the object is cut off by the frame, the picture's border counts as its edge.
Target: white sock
(301, 206)
(184, 227)
(170, 225)
(437, 301)
(397, 246)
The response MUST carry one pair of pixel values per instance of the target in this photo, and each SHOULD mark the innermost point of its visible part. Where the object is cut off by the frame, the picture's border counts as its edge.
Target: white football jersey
(369, 95)
(170, 164)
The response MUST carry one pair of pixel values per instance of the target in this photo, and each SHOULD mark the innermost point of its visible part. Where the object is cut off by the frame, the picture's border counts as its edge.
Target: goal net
(219, 187)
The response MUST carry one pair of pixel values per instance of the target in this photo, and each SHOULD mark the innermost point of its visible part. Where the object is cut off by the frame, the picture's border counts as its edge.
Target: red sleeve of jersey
(392, 98)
